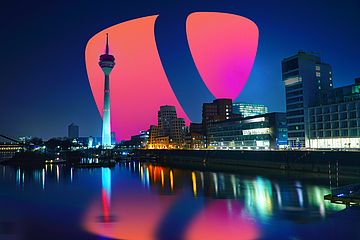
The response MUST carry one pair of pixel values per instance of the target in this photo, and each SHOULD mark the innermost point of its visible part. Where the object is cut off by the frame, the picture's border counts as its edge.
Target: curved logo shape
(223, 47)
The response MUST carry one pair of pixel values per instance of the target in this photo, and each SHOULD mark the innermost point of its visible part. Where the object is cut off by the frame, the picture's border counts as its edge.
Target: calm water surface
(143, 201)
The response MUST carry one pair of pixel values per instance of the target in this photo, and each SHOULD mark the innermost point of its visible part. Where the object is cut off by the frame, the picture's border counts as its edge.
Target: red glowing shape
(138, 82)
(223, 47)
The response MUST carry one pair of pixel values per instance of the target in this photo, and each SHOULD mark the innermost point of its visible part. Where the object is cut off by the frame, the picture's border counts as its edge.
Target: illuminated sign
(254, 120)
(256, 131)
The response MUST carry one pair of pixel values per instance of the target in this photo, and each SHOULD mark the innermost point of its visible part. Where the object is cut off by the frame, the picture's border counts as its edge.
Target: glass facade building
(249, 109)
(267, 131)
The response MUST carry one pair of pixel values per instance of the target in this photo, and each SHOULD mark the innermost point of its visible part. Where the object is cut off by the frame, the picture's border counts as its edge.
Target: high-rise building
(165, 115)
(248, 109)
(73, 131)
(304, 76)
(107, 63)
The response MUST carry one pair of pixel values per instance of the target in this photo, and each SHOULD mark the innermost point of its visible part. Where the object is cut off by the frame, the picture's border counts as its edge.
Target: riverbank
(338, 163)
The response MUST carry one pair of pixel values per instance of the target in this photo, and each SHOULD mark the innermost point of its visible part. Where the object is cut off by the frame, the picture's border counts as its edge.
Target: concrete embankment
(342, 163)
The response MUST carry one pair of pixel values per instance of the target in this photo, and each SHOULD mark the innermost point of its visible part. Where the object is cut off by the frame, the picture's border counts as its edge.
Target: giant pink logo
(223, 47)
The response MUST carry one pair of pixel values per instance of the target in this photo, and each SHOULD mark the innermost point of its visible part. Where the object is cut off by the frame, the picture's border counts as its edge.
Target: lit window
(318, 74)
(317, 68)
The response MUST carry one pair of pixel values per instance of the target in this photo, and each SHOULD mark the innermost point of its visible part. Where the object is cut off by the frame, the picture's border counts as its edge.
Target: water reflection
(145, 201)
(106, 193)
(179, 204)
(51, 173)
(261, 196)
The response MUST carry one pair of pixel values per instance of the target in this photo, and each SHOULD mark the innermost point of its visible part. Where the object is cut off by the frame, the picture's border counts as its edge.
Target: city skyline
(50, 117)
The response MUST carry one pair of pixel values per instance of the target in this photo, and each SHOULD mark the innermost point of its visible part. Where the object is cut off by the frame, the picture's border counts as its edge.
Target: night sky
(44, 85)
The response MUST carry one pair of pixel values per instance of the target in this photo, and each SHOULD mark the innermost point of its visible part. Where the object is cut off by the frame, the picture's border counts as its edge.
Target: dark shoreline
(315, 164)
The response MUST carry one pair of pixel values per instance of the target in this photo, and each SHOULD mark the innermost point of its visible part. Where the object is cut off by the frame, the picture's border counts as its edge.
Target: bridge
(7, 150)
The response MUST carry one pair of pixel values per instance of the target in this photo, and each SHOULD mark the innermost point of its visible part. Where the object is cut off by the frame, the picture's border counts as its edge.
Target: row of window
(296, 134)
(294, 100)
(333, 125)
(294, 87)
(295, 120)
(295, 93)
(294, 106)
(295, 113)
(335, 108)
(335, 117)
(335, 133)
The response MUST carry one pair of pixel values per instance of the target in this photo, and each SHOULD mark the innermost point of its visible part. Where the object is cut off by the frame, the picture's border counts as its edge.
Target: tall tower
(107, 63)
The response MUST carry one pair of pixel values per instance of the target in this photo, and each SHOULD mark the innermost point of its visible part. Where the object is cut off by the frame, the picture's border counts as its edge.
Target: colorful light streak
(193, 178)
(171, 180)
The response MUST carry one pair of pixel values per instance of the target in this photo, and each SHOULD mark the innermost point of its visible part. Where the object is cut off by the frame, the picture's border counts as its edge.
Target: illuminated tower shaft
(107, 63)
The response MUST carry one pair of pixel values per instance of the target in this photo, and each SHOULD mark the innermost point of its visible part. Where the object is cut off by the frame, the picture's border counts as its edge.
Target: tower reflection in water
(106, 194)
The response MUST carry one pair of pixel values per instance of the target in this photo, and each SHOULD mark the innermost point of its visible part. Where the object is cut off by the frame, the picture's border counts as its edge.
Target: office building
(137, 141)
(262, 132)
(73, 131)
(153, 134)
(177, 132)
(218, 110)
(335, 122)
(304, 76)
(107, 63)
(248, 109)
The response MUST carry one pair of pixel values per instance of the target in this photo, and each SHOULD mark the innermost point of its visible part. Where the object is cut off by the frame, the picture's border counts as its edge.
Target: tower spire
(107, 43)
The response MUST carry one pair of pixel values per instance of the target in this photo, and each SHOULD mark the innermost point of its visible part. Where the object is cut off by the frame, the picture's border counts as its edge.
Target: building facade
(304, 76)
(267, 131)
(335, 122)
(218, 110)
(177, 132)
(165, 115)
(248, 109)
(170, 132)
(137, 141)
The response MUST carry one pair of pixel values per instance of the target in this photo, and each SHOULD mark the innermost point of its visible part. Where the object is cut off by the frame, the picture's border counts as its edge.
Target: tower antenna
(107, 43)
